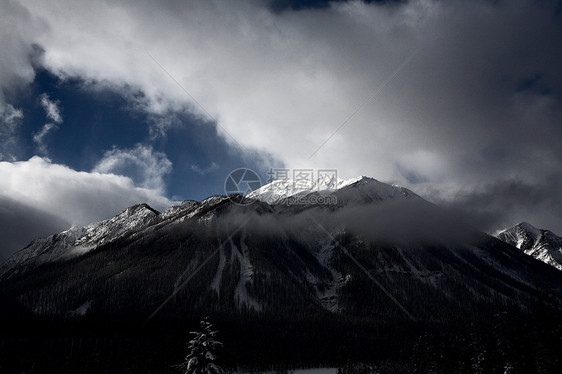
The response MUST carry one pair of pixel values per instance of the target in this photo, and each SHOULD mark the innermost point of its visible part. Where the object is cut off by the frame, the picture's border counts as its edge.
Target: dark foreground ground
(508, 342)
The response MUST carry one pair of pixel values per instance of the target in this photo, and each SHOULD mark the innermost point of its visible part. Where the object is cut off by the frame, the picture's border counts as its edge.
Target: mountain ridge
(273, 193)
(295, 282)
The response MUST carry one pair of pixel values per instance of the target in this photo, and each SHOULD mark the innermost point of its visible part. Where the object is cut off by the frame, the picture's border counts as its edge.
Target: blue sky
(97, 122)
(104, 104)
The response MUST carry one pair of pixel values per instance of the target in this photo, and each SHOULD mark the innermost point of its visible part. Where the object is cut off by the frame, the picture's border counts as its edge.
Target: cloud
(52, 111)
(411, 222)
(505, 203)
(19, 28)
(10, 121)
(51, 108)
(477, 100)
(206, 170)
(39, 138)
(34, 189)
(145, 166)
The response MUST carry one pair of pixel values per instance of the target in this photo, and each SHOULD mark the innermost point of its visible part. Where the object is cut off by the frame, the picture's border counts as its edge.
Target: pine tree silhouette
(201, 358)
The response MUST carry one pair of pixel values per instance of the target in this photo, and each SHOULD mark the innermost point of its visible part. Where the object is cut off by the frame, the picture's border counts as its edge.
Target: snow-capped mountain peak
(541, 244)
(281, 189)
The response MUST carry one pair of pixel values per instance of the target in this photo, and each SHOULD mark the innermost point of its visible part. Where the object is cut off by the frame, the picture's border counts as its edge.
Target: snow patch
(216, 283)
(241, 296)
(327, 292)
(81, 310)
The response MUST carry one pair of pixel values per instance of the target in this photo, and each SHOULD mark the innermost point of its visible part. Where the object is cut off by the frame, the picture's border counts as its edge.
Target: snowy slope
(540, 244)
(283, 188)
(279, 190)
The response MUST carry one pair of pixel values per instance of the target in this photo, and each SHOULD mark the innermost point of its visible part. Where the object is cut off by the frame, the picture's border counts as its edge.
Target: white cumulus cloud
(36, 188)
(146, 166)
(78, 197)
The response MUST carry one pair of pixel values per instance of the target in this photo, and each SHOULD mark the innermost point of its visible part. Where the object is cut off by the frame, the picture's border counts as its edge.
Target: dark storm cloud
(20, 224)
(491, 113)
(282, 5)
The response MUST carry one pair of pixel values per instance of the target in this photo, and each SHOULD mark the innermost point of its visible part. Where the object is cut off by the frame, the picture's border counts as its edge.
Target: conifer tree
(201, 358)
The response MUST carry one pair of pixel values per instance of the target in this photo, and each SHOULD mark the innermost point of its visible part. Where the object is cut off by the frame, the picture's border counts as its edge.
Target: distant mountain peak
(541, 244)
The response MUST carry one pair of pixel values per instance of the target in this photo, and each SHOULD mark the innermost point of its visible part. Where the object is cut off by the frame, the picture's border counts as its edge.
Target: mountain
(293, 275)
(317, 255)
(541, 244)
